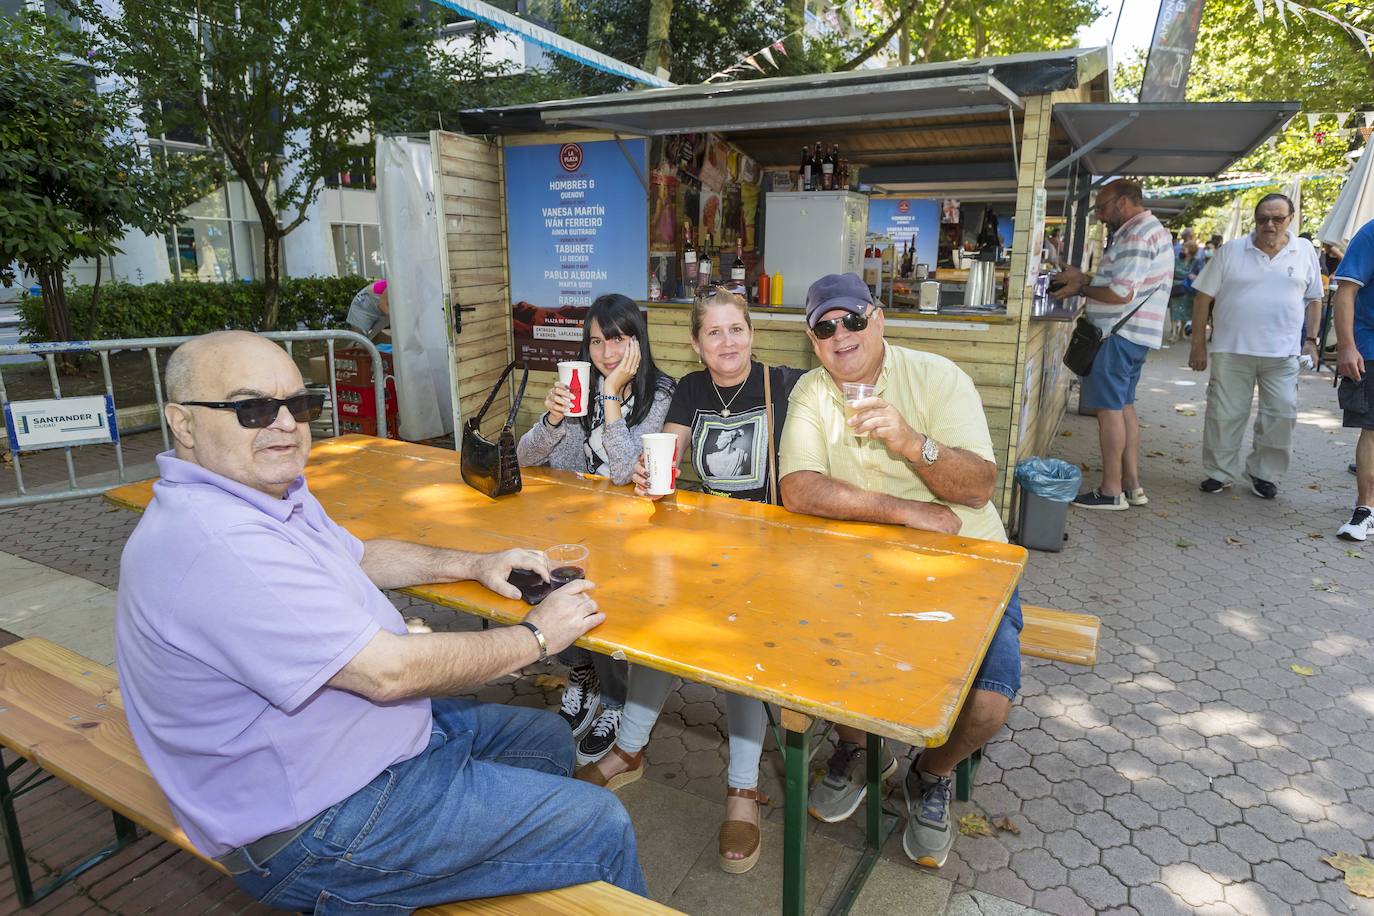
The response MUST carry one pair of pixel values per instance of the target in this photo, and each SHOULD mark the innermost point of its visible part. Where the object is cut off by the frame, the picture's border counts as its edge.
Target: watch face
(930, 451)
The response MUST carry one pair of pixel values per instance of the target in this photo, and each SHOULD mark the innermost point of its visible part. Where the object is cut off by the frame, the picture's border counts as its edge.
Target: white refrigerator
(809, 234)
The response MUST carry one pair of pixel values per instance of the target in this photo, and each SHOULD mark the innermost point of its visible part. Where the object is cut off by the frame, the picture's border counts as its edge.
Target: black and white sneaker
(599, 740)
(1212, 485)
(1359, 527)
(1094, 499)
(580, 699)
(1264, 489)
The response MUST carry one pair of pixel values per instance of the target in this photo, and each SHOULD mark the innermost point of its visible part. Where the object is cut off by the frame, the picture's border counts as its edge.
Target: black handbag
(1087, 339)
(492, 467)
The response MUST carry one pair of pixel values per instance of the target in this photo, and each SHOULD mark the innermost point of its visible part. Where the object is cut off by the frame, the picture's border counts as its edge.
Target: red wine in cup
(563, 575)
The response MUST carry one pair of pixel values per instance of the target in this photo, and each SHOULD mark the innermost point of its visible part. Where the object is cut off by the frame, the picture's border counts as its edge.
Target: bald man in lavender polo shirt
(280, 703)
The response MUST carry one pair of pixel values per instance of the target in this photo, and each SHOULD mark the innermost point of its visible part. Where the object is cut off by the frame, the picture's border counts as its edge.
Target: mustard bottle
(775, 290)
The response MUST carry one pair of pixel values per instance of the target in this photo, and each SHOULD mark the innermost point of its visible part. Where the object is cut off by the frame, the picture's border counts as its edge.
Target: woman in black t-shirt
(720, 418)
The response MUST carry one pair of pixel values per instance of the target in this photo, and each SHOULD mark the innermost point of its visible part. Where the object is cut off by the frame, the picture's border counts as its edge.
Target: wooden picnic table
(874, 626)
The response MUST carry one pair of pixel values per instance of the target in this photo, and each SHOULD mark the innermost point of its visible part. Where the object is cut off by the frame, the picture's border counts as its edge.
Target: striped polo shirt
(1138, 263)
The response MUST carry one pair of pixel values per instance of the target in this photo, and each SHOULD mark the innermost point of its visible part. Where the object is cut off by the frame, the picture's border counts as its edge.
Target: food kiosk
(545, 206)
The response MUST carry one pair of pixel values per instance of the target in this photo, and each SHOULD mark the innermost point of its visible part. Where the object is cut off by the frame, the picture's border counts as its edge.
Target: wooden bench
(1060, 636)
(63, 713)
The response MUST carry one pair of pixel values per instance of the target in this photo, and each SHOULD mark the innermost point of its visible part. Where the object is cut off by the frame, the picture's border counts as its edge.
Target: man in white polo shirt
(1267, 288)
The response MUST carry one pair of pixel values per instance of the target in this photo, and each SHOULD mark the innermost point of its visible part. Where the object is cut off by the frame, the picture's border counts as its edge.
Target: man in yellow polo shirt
(916, 453)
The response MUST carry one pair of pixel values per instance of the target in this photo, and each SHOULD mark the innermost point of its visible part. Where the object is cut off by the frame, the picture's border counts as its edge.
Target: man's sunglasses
(255, 413)
(824, 330)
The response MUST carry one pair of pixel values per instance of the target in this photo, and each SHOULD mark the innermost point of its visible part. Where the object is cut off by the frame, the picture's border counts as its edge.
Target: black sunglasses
(824, 330)
(255, 413)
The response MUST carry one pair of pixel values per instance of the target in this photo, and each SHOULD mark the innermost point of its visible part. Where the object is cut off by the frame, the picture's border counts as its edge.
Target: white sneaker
(1137, 497)
(1359, 526)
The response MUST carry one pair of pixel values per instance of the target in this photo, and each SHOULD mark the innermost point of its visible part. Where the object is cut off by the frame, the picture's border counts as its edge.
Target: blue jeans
(1001, 668)
(486, 809)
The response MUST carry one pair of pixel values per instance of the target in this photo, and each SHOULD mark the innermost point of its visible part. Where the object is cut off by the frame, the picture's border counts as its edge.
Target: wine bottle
(704, 262)
(689, 262)
(828, 170)
(737, 266)
(807, 163)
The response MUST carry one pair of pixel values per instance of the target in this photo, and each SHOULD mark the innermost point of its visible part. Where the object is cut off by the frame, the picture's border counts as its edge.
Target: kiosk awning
(723, 110)
(1166, 138)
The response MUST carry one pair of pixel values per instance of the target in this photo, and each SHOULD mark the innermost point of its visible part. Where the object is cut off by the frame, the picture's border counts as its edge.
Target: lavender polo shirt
(234, 609)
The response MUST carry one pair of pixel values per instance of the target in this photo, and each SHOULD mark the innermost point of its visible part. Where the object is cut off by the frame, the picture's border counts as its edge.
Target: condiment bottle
(775, 290)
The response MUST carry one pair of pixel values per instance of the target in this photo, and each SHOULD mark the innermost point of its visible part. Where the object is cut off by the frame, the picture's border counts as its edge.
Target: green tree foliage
(72, 179)
(284, 89)
(1305, 59)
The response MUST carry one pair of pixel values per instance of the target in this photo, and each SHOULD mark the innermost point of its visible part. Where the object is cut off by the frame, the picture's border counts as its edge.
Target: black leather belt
(245, 858)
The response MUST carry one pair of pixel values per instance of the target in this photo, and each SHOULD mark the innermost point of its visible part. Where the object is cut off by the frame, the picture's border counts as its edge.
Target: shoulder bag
(774, 498)
(1087, 339)
(492, 467)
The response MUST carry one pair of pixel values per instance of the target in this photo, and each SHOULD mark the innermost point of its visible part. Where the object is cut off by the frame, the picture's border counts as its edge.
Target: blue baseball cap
(836, 291)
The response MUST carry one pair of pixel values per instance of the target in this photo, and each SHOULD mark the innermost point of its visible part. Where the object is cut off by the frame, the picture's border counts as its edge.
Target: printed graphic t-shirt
(730, 454)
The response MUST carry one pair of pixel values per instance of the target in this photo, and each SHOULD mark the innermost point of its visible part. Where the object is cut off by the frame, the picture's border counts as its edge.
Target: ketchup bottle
(763, 288)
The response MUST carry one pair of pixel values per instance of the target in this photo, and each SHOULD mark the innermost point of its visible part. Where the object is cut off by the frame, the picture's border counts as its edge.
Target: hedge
(183, 308)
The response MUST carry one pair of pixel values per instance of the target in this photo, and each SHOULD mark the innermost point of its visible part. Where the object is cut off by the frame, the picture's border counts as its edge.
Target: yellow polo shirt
(932, 394)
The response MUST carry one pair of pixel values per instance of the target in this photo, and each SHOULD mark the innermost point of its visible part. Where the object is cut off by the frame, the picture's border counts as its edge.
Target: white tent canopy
(1354, 206)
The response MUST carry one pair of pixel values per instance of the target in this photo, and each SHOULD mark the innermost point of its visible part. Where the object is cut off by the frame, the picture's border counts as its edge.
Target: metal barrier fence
(50, 351)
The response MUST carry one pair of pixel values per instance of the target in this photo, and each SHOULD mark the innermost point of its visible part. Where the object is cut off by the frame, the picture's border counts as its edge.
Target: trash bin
(1048, 485)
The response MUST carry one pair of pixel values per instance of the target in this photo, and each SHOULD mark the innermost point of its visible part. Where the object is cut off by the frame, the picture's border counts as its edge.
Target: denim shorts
(1116, 371)
(1001, 669)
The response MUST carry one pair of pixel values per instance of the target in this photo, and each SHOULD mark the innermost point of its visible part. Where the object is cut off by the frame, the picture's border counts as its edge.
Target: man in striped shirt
(1134, 279)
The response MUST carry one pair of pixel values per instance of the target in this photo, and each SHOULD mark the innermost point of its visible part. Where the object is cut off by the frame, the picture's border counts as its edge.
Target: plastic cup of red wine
(532, 586)
(567, 563)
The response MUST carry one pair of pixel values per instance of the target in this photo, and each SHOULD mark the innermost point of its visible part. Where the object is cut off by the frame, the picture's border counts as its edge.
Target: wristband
(610, 397)
(1309, 340)
(543, 645)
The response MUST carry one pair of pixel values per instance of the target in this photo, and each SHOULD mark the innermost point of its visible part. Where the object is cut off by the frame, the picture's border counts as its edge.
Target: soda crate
(358, 401)
(367, 426)
(353, 366)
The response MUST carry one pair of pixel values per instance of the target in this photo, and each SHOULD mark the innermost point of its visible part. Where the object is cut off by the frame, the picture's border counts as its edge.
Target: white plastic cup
(660, 459)
(853, 393)
(576, 375)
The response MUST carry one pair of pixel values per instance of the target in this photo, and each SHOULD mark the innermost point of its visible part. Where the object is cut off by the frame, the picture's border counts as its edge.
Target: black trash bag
(1049, 478)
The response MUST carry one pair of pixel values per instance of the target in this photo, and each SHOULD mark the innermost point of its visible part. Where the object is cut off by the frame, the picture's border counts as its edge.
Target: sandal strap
(755, 794)
(633, 760)
(738, 836)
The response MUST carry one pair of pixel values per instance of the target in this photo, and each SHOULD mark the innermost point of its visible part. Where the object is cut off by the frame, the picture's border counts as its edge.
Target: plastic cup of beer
(660, 459)
(854, 392)
(576, 375)
(567, 563)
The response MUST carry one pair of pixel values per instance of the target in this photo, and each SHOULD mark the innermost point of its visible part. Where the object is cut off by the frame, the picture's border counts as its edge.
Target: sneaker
(1359, 526)
(580, 699)
(1094, 499)
(598, 741)
(1212, 485)
(1137, 497)
(840, 791)
(929, 835)
(1263, 488)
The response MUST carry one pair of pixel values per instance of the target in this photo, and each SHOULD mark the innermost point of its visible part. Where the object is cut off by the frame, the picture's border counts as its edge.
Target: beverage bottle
(819, 180)
(828, 170)
(704, 262)
(737, 266)
(843, 183)
(655, 288)
(689, 262)
(807, 179)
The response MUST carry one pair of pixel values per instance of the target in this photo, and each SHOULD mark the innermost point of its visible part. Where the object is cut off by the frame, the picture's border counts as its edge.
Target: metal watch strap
(543, 644)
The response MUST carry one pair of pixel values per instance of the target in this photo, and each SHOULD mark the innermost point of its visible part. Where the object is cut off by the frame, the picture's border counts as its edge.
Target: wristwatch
(930, 451)
(543, 645)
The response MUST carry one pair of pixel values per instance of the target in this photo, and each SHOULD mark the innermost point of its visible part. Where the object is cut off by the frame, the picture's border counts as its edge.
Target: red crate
(367, 426)
(353, 366)
(357, 401)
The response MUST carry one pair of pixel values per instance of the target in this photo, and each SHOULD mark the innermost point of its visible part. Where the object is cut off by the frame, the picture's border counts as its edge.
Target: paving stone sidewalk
(1191, 771)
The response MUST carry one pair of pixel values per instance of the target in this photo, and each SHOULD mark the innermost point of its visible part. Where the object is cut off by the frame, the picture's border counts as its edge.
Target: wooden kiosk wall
(1006, 356)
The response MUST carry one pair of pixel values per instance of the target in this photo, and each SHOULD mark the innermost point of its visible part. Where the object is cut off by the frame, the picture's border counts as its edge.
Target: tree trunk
(904, 45)
(795, 19)
(58, 315)
(95, 303)
(271, 275)
(658, 52)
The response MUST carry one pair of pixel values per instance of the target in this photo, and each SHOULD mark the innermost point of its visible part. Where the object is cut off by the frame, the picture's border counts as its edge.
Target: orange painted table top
(874, 626)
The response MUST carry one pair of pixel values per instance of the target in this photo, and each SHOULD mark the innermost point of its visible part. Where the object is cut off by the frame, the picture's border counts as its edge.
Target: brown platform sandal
(592, 773)
(741, 836)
